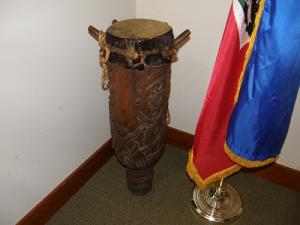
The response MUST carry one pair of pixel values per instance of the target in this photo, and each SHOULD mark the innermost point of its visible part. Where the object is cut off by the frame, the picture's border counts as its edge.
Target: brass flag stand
(218, 204)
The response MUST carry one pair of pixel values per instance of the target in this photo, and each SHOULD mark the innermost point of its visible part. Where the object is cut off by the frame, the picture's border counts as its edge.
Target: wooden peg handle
(94, 32)
(182, 38)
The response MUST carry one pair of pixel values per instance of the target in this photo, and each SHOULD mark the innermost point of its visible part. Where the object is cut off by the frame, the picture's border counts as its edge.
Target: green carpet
(105, 200)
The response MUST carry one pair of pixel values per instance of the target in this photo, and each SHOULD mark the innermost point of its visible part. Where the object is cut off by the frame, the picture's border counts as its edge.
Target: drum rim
(135, 29)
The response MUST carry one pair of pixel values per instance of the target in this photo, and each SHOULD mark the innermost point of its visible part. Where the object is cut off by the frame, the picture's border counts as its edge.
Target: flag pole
(220, 203)
(221, 183)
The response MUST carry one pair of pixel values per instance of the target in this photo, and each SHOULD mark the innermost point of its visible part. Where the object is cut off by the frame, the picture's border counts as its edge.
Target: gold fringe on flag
(204, 183)
(249, 50)
(247, 163)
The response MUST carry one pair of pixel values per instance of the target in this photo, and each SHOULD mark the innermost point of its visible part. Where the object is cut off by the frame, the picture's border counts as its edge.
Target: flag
(242, 107)
(207, 160)
(269, 87)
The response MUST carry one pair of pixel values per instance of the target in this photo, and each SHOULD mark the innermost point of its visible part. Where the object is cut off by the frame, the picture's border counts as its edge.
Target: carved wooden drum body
(138, 106)
(136, 57)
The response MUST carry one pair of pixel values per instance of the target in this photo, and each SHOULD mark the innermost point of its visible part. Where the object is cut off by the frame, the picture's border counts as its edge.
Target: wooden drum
(136, 56)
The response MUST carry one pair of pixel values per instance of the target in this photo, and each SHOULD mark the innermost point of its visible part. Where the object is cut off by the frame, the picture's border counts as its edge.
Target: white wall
(290, 155)
(54, 114)
(191, 74)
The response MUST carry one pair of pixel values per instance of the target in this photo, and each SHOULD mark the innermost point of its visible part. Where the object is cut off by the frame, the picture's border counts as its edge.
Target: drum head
(138, 29)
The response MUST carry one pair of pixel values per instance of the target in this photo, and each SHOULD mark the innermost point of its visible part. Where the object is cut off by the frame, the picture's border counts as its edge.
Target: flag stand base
(219, 204)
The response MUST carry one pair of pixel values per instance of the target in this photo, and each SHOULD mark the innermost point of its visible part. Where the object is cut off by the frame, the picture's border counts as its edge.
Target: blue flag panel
(262, 114)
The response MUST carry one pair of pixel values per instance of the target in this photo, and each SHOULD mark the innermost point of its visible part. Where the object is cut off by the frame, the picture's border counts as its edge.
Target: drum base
(219, 204)
(139, 182)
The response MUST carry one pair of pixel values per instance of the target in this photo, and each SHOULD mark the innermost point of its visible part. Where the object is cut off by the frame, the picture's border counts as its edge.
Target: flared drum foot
(139, 182)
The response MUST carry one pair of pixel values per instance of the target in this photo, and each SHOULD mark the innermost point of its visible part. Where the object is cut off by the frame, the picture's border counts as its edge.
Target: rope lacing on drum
(103, 59)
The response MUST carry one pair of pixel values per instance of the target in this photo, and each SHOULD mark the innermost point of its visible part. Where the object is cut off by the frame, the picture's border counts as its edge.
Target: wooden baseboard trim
(276, 173)
(41, 213)
(179, 138)
(280, 174)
